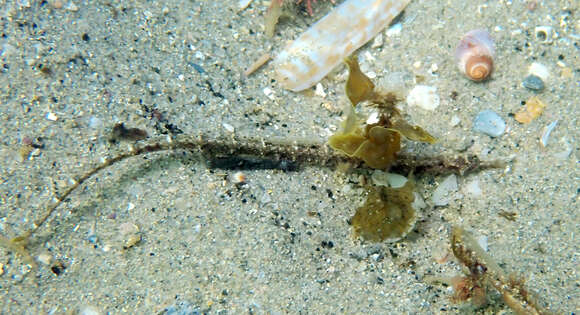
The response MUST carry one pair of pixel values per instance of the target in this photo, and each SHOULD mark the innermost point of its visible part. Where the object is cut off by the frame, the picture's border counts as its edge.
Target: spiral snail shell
(475, 54)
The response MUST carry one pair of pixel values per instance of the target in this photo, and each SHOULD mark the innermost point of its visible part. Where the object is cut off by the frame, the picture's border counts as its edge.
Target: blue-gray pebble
(490, 123)
(533, 83)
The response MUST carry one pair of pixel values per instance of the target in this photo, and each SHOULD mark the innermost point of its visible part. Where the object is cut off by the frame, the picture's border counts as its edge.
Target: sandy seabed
(281, 243)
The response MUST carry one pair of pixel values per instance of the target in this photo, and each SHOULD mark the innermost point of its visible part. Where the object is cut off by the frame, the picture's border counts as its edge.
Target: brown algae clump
(376, 144)
(358, 86)
(387, 214)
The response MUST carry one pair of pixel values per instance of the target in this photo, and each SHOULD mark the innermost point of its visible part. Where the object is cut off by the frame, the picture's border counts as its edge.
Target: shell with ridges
(315, 53)
(475, 54)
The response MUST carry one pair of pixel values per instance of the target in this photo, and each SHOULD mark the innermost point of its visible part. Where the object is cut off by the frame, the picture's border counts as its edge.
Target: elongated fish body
(325, 44)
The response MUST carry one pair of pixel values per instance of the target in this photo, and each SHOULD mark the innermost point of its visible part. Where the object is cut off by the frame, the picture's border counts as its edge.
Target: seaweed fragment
(387, 214)
(377, 147)
(377, 144)
(359, 87)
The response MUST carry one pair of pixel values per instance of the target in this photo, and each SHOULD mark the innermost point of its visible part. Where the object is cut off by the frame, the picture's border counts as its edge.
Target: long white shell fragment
(325, 44)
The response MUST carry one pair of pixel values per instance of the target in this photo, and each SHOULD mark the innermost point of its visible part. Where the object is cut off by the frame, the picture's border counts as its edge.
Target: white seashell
(539, 70)
(315, 53)
(546, 134)
(475, 54)
(395, 30)
(242, 4)
(544, 34)
(424, 96)
(444, 193)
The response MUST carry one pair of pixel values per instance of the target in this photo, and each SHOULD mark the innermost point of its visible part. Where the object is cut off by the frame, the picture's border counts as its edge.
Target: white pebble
(539, 70)
(434, 68)
(269, 93)
(242, 4)
(489, 123)
(229, 128)
(388, 179)
(130, 206)
(424, 96)
(442, 194)
(544, 34)
(395, 30)
(373, 118)
(51, 116)
(95, 123)
(23, 4)
(319, 91)
(89, 310)
(368, 57)
(455, 121)
(44, 258)
(378, 41)
(199, 55)
(71, 7)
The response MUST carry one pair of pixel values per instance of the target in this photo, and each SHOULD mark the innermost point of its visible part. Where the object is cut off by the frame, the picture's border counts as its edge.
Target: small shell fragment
(257, 64)
(490, 123)
(239, 178)
(320, 90)
(539, 70)
(444, 193)
(533, 109)
(242, 4)
(544, 34)
(546, 134)
(395, 30)
(323, 46)
(424, 96)
(229, 128)
(269, 93)
(382, 178)
(131, 241)
(51, 116)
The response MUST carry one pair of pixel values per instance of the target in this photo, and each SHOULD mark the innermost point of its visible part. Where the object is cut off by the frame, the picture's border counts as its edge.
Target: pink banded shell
(475, 54)
(324, 45)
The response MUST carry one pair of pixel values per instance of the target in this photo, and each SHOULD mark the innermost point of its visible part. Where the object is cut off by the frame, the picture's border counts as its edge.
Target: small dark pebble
(58, 268)
(533, 83)
(327, 244)
(380, 280)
